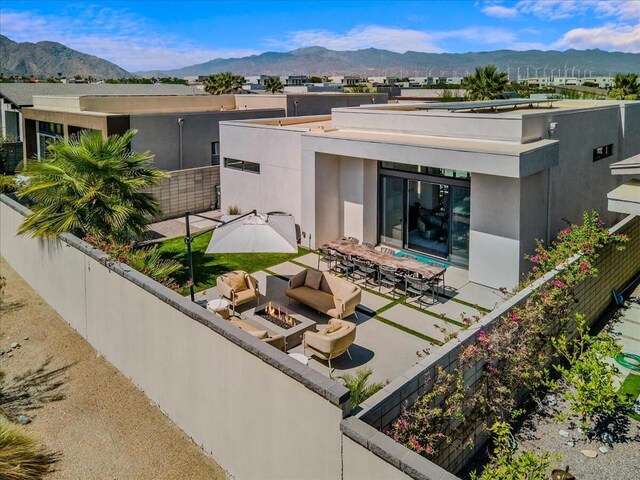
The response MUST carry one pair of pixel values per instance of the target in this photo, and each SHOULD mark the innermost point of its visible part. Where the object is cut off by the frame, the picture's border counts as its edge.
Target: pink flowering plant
(514, 352)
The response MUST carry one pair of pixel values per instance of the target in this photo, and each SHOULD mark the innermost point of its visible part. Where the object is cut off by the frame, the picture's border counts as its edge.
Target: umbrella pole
(187, 240)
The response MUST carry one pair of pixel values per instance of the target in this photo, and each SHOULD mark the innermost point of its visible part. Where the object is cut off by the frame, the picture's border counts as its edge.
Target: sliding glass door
(392, 211)
(427, 216)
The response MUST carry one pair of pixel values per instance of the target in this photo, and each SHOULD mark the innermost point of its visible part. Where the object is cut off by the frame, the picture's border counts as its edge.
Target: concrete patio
(392, 333)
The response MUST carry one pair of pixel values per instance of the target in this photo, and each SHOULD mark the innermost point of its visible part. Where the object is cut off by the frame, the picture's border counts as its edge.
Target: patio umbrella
(256, 233)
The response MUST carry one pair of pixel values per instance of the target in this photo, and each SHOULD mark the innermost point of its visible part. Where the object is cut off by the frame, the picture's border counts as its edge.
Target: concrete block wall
(616, 268)
(191, 190)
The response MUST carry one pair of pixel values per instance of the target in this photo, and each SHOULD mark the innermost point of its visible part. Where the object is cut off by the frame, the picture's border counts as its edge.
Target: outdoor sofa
(324, 292)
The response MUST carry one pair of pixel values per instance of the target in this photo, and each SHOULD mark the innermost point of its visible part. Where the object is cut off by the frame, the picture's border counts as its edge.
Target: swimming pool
(420, 258)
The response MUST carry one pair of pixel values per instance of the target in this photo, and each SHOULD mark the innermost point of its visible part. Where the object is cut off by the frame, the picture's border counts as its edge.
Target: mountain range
(51, 59)
(372, 61)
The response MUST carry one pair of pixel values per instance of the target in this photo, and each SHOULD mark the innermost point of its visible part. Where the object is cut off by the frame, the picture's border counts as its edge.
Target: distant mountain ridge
(49, 59)
(372, 61)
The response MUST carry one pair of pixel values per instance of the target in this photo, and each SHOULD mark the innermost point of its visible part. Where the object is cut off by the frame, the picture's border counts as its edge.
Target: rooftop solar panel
(453, 106)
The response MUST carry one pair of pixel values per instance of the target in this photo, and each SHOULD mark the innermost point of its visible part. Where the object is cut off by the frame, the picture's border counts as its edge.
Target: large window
(426, 210)
(47, 132)
(242, 165)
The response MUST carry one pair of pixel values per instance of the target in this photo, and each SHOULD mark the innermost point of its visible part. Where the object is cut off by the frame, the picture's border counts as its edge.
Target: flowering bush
(421, 427)
(514, 352)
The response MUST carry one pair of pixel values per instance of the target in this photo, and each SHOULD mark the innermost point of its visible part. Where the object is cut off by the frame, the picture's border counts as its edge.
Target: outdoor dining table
(347, 247)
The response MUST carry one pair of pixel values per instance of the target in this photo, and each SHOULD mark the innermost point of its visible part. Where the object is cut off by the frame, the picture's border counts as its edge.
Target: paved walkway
(105, 428)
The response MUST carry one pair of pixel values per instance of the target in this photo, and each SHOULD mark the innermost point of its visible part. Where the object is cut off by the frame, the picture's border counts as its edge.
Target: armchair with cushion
(238, 287)
(332, 341)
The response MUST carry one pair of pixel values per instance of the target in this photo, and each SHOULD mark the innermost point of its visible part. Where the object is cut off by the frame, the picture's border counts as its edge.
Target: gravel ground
(105, 428)
(622, 462)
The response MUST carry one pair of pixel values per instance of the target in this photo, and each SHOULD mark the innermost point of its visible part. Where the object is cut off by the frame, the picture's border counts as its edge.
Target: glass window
(392, 211)
(242, 165)
(438, 172)
(215, 153)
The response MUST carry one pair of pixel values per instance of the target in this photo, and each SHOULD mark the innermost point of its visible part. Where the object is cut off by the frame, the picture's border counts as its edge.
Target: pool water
(420, 258)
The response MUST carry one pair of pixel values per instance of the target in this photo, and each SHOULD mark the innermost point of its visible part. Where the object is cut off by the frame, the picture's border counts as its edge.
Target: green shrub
(589, 375)
(8, 184)
(359, 386)
(234, 210)
(20, 456)
(508, 464)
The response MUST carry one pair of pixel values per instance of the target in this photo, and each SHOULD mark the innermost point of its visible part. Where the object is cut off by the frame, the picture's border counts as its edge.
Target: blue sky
(157, 34)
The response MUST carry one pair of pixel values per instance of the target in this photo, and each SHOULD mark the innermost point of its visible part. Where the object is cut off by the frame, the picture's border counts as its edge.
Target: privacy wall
(258, 412)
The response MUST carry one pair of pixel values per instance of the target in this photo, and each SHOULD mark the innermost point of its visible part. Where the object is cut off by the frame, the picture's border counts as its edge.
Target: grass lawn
(631, 387)
(206, 268)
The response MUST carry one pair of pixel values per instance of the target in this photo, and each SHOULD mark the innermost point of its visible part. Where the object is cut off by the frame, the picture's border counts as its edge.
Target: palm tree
(359, 386)
(223, 83)
(91, 186)
(273, 85)
(486, 83)
(625, 87)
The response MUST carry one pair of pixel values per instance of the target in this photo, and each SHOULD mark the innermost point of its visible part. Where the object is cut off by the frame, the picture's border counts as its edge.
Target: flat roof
(21, 94)
(446, 143)
(526, 107)
(628, 192)
(630, 166)
(302, 124)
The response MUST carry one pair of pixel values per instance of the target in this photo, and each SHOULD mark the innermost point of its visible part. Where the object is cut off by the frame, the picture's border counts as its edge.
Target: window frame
(241, 165)
(607, 151)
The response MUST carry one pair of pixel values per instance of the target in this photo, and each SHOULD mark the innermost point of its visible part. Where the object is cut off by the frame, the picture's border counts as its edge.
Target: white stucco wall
(254, 419)
(278, 185)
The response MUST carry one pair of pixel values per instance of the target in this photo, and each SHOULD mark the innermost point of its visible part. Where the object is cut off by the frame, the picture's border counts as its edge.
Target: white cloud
(552, 9)
(623, 10)
(367, 36)
(500, 11)
(624, 38)
(115, 35)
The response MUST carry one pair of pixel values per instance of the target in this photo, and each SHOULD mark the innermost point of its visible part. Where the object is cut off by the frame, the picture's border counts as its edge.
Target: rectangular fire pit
(278, 319)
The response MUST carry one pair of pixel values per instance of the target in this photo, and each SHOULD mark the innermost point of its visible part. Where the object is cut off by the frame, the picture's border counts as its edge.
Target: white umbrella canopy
(254, 233)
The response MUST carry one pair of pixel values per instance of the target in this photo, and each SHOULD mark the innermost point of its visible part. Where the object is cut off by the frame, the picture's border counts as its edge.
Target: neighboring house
(467, 185)
(626, 198)
(180, 131)
(15, 96)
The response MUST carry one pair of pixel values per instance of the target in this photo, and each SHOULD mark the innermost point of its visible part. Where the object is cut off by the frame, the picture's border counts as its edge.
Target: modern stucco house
(473, 184)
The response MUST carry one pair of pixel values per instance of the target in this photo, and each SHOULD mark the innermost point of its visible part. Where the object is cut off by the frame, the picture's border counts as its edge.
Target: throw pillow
(259, 333)
(314, 277)
(334, 327)
(236, 281)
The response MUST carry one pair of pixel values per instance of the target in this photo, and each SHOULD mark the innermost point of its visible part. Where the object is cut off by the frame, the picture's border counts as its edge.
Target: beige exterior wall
(361, 464)
(255, 420)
